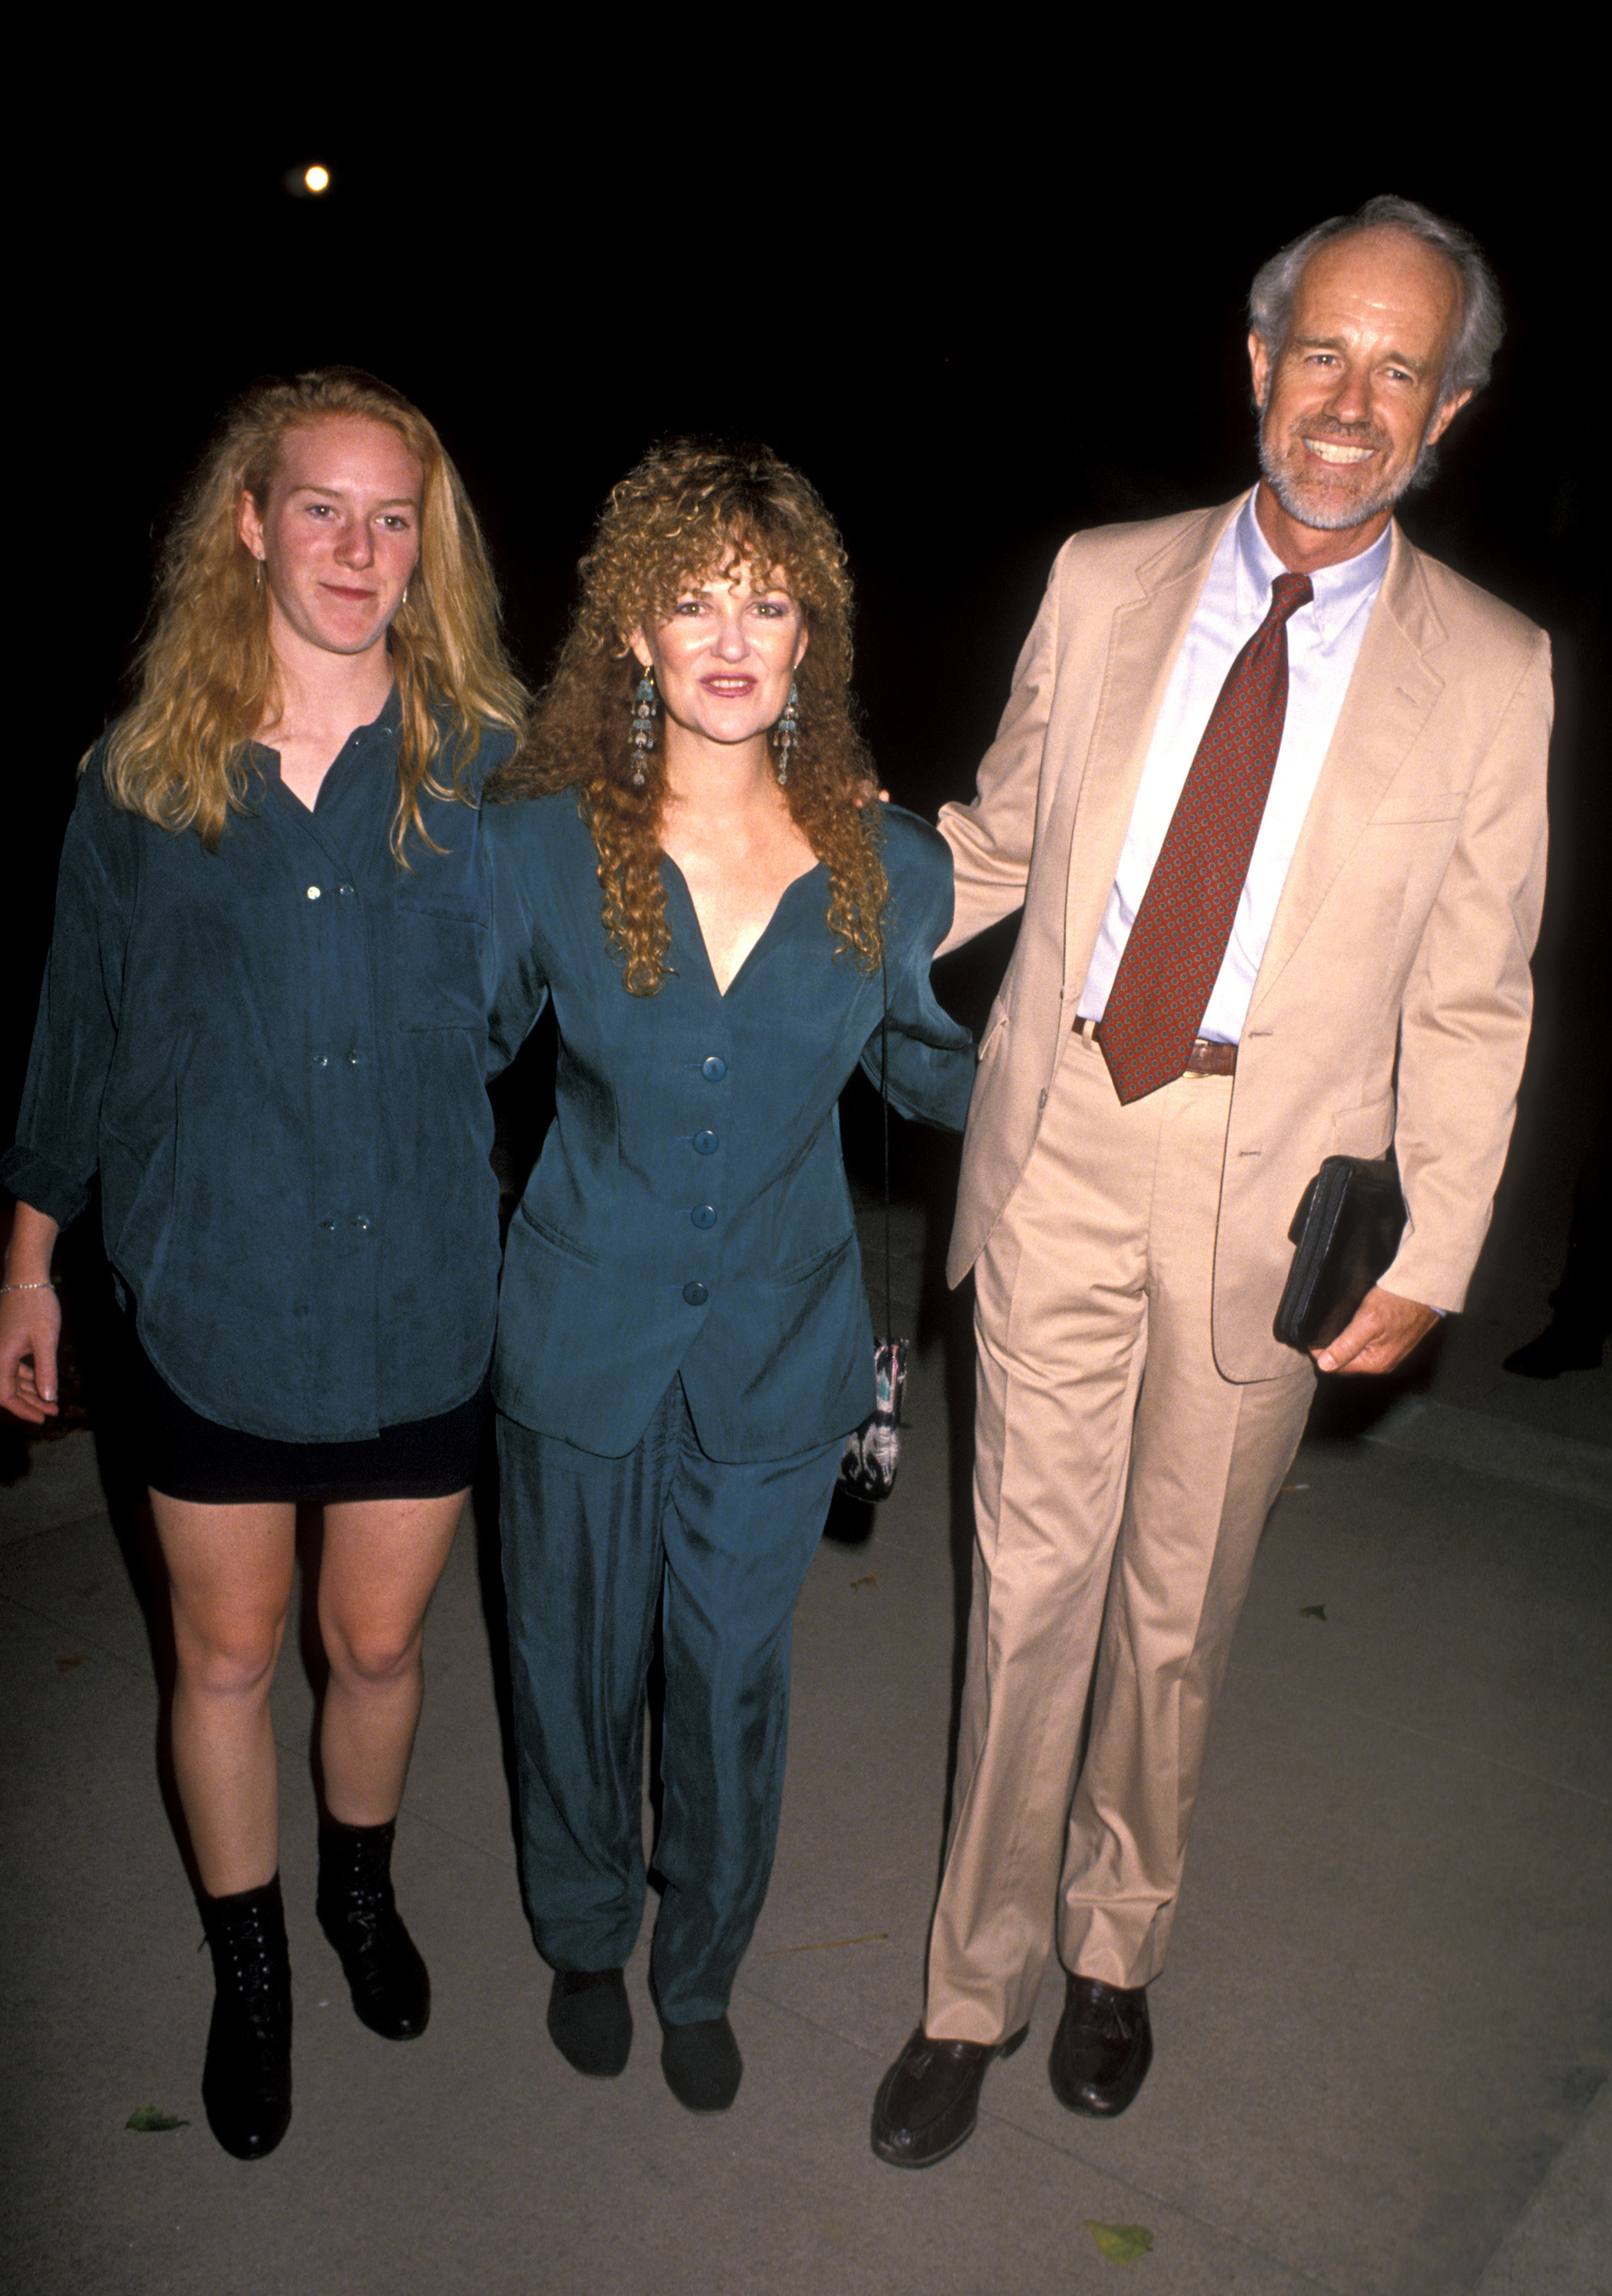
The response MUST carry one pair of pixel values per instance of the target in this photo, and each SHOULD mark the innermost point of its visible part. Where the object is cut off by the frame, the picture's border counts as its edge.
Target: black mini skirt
(186, 1457)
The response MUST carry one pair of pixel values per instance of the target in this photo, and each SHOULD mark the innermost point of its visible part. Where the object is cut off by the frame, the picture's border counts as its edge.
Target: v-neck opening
(759, 942)
(385, 720)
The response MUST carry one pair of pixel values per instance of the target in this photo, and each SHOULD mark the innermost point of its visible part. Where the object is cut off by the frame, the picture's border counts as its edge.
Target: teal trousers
(592, 1547)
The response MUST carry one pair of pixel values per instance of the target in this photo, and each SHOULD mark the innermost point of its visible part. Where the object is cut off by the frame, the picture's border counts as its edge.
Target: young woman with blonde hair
(700, 883)
(262, 1028)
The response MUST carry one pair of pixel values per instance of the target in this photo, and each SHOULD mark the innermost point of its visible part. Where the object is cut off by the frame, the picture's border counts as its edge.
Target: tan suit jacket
(1402, 935)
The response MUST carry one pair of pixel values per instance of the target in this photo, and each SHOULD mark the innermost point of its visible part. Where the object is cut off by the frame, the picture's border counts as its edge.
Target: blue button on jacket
(274, 1055)
(689, 1213)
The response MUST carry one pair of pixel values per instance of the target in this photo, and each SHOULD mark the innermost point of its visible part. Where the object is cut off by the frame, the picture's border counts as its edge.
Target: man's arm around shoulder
(993, 838)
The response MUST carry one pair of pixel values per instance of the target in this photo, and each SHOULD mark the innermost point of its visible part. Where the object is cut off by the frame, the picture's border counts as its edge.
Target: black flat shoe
(590, 2020)
(702, 2065)
(246, 2080)
(1102, 2048)
(388, 1983)
(929, 2101)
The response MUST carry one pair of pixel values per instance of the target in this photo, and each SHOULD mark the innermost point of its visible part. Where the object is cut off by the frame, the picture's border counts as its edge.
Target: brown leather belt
(1205, 1059)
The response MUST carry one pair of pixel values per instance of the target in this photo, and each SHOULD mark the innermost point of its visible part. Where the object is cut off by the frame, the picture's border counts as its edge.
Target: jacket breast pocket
(1429, 805)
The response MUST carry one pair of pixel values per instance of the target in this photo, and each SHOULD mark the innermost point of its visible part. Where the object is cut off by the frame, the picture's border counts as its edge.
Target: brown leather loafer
(929, 2100)
(1102, 2048)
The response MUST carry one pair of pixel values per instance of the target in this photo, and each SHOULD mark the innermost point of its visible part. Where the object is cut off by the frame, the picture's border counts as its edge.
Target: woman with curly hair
(263, 1027)
(721, 916)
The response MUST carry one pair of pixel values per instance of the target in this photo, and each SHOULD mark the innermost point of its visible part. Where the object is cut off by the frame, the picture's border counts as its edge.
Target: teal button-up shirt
(274, 1055)
(689, 1212)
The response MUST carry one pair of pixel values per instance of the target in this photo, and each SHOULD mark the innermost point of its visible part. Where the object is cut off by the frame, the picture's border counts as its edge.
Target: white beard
(1328, 508)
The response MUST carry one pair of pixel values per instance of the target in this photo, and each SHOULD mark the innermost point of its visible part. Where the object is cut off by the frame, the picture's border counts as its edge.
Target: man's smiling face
(1352, 400)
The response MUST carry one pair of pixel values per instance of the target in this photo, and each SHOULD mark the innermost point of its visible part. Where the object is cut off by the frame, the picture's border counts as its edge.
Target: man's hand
(1382, 1333)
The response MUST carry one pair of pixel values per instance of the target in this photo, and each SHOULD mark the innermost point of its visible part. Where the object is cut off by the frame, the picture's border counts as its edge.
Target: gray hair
(1482, 325)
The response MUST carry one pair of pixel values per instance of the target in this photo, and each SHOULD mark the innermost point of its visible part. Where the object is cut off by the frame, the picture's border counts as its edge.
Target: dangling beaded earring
(788, 733)
(642, 726)
(256, 573)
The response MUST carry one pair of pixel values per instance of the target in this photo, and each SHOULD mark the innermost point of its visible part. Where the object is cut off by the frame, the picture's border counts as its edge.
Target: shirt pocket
(441, 954)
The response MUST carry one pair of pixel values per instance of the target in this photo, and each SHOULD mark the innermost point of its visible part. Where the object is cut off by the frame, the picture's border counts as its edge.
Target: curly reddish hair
(693, 508)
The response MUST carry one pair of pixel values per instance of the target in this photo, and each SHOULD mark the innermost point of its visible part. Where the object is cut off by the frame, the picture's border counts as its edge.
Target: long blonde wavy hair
(691, 511)
(207, 675)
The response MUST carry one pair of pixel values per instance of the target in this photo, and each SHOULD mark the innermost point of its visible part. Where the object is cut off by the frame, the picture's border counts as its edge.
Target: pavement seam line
(31, 1611)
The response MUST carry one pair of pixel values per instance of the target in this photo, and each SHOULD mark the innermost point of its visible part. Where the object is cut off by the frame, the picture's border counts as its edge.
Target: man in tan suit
(1131, 1169)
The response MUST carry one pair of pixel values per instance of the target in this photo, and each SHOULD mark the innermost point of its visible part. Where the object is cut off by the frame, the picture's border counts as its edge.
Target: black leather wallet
(1347, 1229)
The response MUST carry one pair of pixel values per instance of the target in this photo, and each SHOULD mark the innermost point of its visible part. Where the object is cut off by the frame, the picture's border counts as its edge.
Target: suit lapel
(1391, 696)
(1145, 636)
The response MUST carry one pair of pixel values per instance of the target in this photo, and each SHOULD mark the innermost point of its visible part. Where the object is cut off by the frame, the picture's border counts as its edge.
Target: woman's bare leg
(383, 1559)
(230, 1572)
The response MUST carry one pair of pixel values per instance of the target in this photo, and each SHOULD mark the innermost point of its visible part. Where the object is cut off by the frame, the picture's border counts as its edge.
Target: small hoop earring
(788, 733)
(642, 726)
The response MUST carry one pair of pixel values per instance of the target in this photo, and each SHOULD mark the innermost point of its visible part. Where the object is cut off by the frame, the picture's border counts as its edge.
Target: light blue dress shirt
(1323, 641)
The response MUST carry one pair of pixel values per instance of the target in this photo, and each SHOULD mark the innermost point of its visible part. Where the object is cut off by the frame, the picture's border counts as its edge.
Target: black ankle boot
(391, 1988)
(246, 2082)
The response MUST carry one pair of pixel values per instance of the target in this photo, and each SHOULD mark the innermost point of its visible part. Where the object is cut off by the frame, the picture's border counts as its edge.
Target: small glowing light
(318, 179)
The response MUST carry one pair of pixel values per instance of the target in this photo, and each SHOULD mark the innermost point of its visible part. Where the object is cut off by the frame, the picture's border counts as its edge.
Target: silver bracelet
(49, 1285)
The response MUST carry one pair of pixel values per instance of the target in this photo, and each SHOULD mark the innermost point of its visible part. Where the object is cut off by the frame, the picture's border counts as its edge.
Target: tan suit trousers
(1121, 1486)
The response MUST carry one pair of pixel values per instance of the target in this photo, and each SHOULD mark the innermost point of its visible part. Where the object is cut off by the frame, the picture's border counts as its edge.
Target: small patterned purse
(873, 1451)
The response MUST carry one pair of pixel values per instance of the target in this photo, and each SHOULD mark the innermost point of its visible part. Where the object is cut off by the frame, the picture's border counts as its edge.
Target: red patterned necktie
(1178, 942)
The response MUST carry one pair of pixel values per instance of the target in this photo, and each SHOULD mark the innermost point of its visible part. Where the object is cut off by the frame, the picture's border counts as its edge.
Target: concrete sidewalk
(1382, 2039)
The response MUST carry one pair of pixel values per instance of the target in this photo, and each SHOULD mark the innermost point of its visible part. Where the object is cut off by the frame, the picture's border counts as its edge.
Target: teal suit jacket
(688, 1213)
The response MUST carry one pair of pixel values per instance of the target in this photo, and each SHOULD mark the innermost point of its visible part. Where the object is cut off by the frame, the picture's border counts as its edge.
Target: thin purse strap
(884, 1103)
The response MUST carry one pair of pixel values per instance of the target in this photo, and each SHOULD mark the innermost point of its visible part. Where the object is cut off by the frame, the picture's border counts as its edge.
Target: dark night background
(973, 340)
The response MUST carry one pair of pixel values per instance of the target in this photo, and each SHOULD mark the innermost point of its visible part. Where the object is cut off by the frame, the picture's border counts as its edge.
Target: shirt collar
(385, 725)
(1341, 592)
